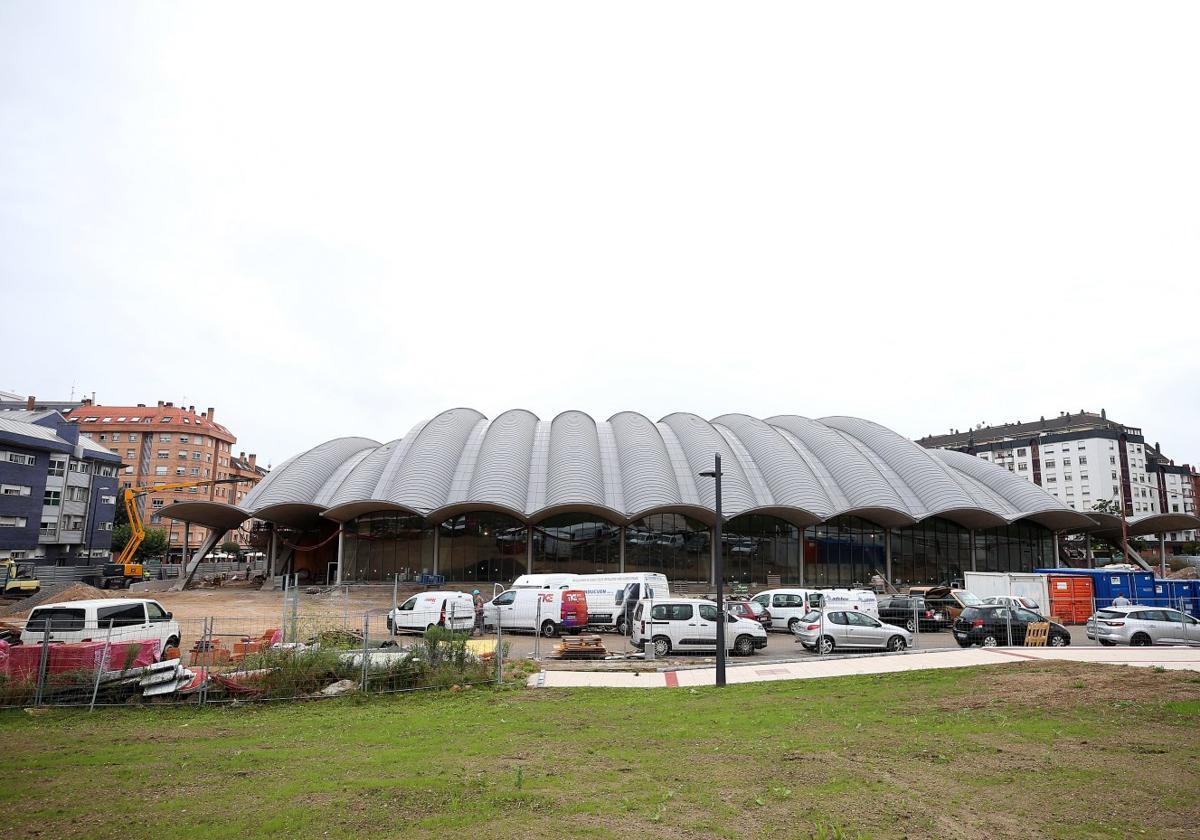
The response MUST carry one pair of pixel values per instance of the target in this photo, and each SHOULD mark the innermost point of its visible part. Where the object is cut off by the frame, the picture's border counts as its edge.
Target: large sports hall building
(814, 502)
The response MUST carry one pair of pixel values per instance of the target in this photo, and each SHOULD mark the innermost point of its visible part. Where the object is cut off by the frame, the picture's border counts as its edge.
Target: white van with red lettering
(545, 611)
(448, 609)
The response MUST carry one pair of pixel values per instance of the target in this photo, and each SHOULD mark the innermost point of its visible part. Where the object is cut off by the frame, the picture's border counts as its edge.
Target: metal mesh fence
(73, 657)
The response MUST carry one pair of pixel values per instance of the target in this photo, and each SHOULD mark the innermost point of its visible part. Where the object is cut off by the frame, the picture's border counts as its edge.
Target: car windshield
(1111, 614)
(812, 615)
(969, 599)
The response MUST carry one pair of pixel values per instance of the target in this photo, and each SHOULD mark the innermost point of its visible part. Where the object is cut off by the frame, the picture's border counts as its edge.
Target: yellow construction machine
(18, 580)
(123, 570)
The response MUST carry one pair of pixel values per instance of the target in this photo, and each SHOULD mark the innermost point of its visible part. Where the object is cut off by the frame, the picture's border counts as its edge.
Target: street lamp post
(718, 571)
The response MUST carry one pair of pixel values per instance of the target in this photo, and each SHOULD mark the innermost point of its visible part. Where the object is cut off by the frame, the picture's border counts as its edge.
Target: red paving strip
(672, 679)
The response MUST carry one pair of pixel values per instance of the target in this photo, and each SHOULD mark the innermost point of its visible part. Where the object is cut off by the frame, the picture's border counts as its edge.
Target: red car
(751, 611)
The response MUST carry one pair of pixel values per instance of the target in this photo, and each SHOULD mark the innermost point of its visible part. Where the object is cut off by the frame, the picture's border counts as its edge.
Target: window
(13, 521)
(671, 612)
(160, 470)
(167, 420)
(196, 471)
(81, 467)
(108, 500)
(1083, 476)
(129, 453)
(77, 494)
(1114, 475)
(122, 616)
(1112, 459)
(164, 453)
(52, 498)
(183, 438)
(157, 502)
(155, 612)
(58, 466)
(48, 529)
(837, 618)
(60, 619)
(784, 600)
(708, 612)
(1050, 464)
(1066, 476)
(164, 437)
(1051, 479)
(1066, 462)
(1020, 453)
(1082, 460)
(73, 523)
(183, 455)
(14, 490)
(195, 456)
(861, 620)
(1022, 467)
(129, 471)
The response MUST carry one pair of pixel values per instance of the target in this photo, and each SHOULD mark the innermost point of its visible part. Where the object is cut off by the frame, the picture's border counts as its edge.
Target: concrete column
(1162, 555)
(622, 552)
(1057, 558)
(973, 569)
(183, 558)
(1087, 544)
(274, 552)
(802, 538)
(887, 554)
(341, 548)
(529, 549)
(437, 546)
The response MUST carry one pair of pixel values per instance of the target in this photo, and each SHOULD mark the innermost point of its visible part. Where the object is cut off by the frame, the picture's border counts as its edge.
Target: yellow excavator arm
(137, 533)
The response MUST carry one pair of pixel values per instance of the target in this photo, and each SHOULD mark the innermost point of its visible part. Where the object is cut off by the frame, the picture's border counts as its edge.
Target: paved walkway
(1174, 658)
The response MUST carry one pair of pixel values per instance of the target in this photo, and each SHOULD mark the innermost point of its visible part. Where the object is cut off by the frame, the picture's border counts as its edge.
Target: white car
(1018, 601)
(789, 606)
(690, 624)
(131, 619)
(449, 609)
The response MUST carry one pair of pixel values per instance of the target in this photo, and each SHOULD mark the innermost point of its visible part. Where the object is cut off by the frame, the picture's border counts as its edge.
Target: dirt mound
(1186, 573)
(75, 592)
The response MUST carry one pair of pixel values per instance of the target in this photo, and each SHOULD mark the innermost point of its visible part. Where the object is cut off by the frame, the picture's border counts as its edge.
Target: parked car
(132, 620)
(1138, 626)
(789, 606)
(946, 599)
(449, 609)
(849, 629)
(749, 610)
(690, 624)
(909, 611)
(1019, 601)
(991, 625)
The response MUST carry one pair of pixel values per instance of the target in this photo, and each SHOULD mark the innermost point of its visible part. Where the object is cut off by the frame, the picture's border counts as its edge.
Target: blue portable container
(1107, 584)
(1179, 594)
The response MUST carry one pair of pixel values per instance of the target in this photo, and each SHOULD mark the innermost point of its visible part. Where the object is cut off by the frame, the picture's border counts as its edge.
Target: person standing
(1120, 601)
(478, 601)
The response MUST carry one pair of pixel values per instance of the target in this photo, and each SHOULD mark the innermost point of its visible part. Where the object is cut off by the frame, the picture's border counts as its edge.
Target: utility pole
(718, 571)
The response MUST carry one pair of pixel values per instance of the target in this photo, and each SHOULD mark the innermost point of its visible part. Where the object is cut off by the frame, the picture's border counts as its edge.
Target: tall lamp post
(718, 572)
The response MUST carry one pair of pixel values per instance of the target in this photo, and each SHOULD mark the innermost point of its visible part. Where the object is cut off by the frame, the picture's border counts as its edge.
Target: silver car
(849, 629)
(1134, 625)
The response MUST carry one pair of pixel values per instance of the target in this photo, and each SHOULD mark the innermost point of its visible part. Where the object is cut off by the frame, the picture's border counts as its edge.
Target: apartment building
(167, 444)
(1085, 460)
(58, 491)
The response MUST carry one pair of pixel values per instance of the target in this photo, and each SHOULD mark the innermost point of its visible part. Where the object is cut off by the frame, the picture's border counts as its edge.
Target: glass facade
(481, 546)
(844, 552)
(576, 544)
(670, 543)
(379, 546)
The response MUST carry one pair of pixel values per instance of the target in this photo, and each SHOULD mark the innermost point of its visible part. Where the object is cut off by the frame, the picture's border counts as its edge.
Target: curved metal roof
(803, 470)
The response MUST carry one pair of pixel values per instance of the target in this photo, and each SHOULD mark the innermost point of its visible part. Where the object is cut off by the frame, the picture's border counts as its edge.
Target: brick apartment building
(168, 444)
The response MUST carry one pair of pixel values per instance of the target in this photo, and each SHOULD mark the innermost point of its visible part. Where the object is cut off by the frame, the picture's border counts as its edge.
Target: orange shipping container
(1071, 598)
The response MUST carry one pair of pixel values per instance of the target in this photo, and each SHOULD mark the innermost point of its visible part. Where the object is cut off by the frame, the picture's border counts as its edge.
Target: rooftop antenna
(72, 391)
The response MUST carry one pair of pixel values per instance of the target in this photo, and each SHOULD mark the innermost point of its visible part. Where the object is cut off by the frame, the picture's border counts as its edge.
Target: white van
(690, 624)
(555, 581)
(612, 598)
(789, 606)
(132, 620)
(545, 611)
(452, 610)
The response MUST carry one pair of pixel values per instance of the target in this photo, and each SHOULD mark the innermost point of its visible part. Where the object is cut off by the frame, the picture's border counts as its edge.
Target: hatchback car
(849, 629)
(992, 625)
(1143, 626)
(690, 624)
(909, 610)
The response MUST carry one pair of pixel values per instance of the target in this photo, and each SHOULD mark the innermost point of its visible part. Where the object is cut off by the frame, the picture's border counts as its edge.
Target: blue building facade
(58, 491)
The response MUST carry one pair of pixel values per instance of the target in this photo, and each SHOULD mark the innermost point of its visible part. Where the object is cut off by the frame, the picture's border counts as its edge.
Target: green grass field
(1047, 750)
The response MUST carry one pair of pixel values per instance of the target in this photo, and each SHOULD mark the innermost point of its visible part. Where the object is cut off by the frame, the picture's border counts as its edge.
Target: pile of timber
(580, 647)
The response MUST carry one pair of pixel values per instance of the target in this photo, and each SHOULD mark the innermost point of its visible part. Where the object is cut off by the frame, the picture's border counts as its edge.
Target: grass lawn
(1022, 750)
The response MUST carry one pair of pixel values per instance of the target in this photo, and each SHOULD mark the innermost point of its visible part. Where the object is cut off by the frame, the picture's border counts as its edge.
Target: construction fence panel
(221, 659)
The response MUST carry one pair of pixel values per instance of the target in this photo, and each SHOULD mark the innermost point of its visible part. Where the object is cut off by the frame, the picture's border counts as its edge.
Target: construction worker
(477, 599)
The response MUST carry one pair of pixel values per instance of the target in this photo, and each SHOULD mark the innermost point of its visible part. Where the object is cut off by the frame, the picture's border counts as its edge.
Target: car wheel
(1058, 641)
(744, 646)
(662, 646)
(621, 626)
(171, 643)
(827, 644)
(896, 644)
(1107, 642)
(990, 641)
(1140, 640)
(549, 629)
(911, 625)
(792, 625)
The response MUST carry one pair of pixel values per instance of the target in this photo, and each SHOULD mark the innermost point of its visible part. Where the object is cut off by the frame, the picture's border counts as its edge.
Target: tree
(231, 547)
(154, 545)
(1107, 506)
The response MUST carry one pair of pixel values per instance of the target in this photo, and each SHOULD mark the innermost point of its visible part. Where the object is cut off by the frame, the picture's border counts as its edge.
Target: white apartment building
(1085, 459)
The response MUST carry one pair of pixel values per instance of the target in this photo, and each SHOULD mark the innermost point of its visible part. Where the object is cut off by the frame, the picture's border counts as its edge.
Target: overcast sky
(327, 221)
